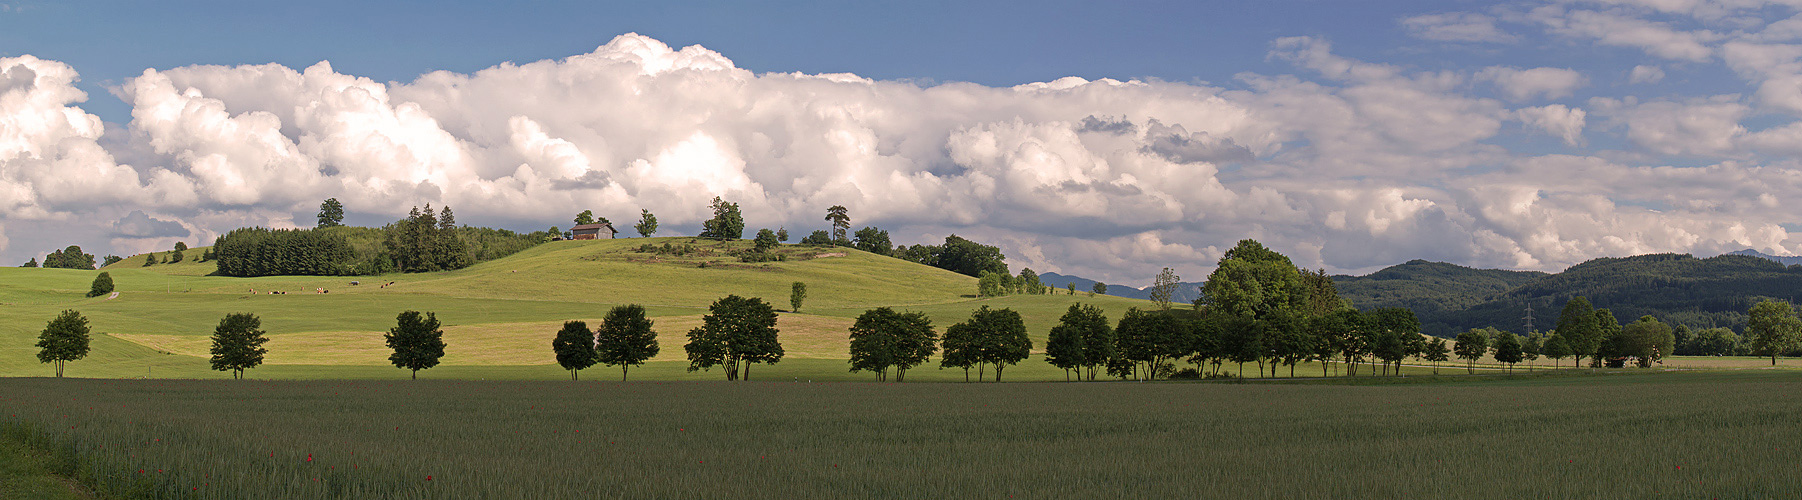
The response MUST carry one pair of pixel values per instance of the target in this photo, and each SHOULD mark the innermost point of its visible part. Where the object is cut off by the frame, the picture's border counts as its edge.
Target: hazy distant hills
(1449, 298)
(1185, 292)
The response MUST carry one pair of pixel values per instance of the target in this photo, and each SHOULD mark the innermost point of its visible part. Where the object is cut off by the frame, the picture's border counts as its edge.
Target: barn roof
(592, 226)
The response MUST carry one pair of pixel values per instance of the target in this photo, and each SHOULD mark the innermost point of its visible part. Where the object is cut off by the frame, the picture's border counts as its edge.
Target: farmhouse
(592, 231)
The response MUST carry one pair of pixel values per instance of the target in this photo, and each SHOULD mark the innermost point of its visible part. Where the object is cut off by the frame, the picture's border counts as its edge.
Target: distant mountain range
(1448, 298)
(1788, 261)
(1185, 292)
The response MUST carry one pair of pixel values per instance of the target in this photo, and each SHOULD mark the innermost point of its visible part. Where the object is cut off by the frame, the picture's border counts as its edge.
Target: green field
(499, 315)
(1569, 435)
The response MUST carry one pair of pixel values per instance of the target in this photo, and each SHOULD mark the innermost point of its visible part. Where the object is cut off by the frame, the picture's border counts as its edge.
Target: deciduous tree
(647, 223)
(64, 339)
(416, 340)
(1555, 348)
(990, 336)
(625, 338)
(1471, 346)
(103, 284)
(882, 338)
(1577, 324)
(331, 213)
(873, 240)
(737, 332)
(1149, 340)
(1508, 349)
(797, 293)
(1437, 353)
(238, 344)
(1772, 328)
(574, 347)
(726, 224)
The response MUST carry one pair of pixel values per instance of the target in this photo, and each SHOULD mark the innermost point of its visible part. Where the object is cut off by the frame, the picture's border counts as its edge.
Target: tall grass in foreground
(1728, 435)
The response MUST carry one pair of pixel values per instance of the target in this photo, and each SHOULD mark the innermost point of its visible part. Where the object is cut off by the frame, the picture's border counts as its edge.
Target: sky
(1100, 139)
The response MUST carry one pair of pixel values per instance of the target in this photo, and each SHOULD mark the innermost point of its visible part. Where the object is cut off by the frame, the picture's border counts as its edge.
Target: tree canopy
(726, 224)
(416, 340)
(625, 338)
(882, 338)
(331, 213)
(64, 339)
(574, 346)
(238, 344)
(736, 333)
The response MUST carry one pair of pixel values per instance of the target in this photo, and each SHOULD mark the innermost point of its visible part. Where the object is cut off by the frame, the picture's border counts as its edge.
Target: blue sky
(1349, 135)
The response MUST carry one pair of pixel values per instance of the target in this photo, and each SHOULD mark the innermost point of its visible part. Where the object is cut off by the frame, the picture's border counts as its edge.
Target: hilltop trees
(625, 338)
(990, 336)
(882, 338)
(738, 332)
(1099, 289)
(1082, 341)
(69, 258)
(238, 344)
(586, 217)
(31, 263)
(331, 213)
(574, 347)
(103, 284)
(176, 256)
(647, 223)
(1773, 328)
(417, 342)
(64, 339)
(841, 223)
(1581, 331)
(726, 224)
(870, 239)
(1471, 346)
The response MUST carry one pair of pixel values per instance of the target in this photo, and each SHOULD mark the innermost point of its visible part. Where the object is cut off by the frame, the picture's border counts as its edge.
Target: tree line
(426, 240)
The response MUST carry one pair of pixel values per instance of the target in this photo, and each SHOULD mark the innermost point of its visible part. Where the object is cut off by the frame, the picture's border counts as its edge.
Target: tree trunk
(1291, 370)
(998, 368)
(747, 371)
(415, 374)
(622, 371)
(979, 373)
(966, 374)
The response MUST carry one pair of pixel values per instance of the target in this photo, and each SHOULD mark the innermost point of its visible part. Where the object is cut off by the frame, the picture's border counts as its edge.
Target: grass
(499, 315)
(26, 472)
(1636, 435)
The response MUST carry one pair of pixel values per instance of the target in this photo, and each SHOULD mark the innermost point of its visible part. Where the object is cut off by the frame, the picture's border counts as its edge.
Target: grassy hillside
(497, 314)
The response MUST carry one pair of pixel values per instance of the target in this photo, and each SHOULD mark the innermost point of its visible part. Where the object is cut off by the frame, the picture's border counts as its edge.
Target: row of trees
(68, 258)
(426, 240)
(624, 339)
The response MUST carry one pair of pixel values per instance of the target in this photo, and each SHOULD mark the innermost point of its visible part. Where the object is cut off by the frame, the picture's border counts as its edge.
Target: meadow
(1569, 434)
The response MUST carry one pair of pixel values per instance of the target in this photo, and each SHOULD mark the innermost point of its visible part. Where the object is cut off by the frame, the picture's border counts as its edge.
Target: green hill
(499, 313)
(1676, 288)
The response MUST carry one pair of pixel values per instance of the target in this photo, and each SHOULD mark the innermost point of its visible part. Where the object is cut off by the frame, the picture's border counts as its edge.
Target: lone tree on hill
(1163, 288)
(64, 339)
(882, 338)
(797, 293)
(331, 213)
(782, 234)
(873, 240)
(1470, 346)
(1772, 327)
(149, 259)
(1099, 289)
(31, 263)
(103, 284)
(176, 256)
(841, 224)
(765, 240)
(1581, 331)
(574, 347)
(586, 217)
(625, 338)
(417, 342)
(238, 344)
(726, 224)
(739, 332)
(647, 223)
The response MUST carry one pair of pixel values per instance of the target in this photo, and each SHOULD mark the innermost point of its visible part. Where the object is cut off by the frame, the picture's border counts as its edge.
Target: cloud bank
(1346, 165)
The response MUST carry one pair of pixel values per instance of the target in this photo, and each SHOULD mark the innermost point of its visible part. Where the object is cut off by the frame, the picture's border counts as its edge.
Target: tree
(738, 332)
(586, 217)
(991, 336)
(782, 234)
(1064, 346)
(238, 344)
(1772, 328)
(726, 224)
(818, 238)
(870, 239)
(31, 263)
(331, 213)
(1071, 287)
(1149, 340)
(625, 338)
(841, 222)
(647, 223)
(1400, 323)
(110, 259)
(1715, 342)
(1577, 324)
(991, 284)
(797, 293)
(1646, 341)
(1164, 287)
(1609, 329)
(765, 240)
(1029, 282)
(64, 339)
(574, 347)
(1437, 353)
(882, 338)
(969, 258)
(416, 340)
(1470, 346)
(1508, 349)
(176, 256)
(149, 259)
(103, 284)
(1555, 348)
(1531, 345)
(69, 258)
(1099, 288)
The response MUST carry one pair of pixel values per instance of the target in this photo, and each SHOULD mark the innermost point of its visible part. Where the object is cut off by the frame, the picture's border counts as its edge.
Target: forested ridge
(1675, 288)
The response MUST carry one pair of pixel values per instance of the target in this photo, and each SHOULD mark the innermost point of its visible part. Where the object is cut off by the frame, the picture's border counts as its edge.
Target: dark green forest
(1675, 288)
(422, 242)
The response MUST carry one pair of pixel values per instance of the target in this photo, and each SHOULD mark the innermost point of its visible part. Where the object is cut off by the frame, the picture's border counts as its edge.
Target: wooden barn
(592, 231)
